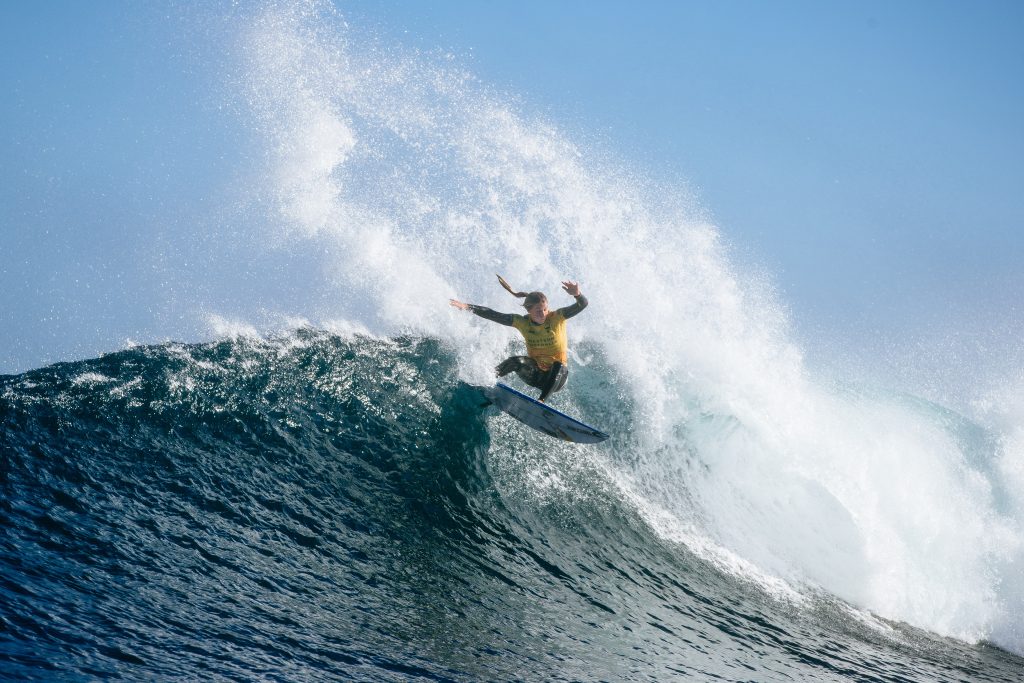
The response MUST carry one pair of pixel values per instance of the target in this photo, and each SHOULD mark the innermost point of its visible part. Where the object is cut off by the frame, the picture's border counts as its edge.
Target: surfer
(545, 365)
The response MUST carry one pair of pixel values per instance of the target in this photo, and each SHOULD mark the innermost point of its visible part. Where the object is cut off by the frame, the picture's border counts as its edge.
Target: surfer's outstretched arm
(484, 312)
(573, 289)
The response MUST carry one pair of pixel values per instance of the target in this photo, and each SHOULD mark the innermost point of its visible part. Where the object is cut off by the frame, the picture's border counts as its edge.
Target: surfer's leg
(554, 380)
(526, 368)
(531, 373)
(512, 364)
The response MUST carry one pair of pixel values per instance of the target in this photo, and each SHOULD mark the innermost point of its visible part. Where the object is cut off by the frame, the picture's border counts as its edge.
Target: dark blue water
(319, 508)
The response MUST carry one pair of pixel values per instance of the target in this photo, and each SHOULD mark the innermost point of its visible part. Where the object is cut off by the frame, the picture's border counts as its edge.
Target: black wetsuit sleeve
(494, 316)
(570, 311)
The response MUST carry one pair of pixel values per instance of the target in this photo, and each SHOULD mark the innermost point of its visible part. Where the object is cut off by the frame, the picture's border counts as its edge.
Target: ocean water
(317, 507)
(313, 491)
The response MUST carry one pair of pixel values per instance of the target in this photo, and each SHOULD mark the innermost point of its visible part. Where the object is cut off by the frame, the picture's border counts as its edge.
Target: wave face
(316, 507)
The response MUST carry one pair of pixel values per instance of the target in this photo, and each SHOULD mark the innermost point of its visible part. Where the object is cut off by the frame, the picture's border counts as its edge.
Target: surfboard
(541, 416)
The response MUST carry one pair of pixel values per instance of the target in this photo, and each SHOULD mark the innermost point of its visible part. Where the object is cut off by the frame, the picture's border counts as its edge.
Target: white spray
(417, 184)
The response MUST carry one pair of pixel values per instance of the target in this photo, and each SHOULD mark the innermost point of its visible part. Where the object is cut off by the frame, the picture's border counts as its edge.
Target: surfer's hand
(572, 288)
(459, 305)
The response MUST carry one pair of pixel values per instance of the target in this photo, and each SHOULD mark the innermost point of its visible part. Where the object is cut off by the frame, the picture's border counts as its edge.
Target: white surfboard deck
(541, 416)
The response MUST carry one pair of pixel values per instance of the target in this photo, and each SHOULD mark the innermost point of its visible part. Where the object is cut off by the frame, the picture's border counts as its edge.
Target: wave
(322, 506)
(336, 490)
(417, 183)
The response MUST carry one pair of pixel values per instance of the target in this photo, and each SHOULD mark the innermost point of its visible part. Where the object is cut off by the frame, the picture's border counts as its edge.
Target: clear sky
(869, 154)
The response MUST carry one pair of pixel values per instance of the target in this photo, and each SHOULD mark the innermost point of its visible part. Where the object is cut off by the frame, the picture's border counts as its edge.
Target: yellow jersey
(547, 342)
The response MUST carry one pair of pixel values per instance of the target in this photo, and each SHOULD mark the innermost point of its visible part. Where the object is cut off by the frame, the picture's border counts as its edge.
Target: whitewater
(316, 493)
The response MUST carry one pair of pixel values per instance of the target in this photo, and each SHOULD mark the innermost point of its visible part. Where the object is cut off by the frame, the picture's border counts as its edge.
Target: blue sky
(868, 154)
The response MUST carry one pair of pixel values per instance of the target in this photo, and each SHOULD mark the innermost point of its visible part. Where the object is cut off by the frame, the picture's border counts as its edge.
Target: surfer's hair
(532, 298)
